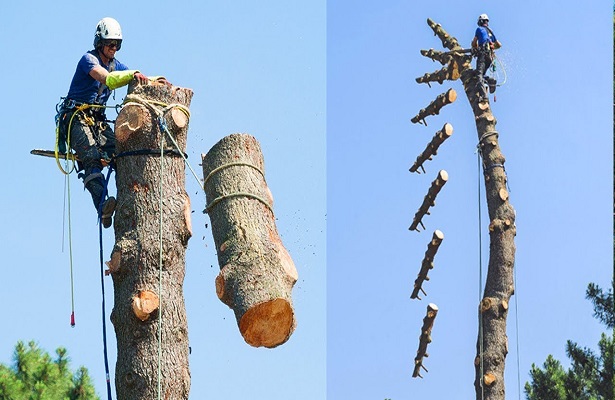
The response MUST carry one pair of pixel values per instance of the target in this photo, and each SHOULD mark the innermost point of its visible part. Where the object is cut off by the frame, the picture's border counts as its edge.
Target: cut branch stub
(145, 303)
(435, 106)
(256, 272)
(429, 200)
(432, 147)
(427, 264)
(424, 339)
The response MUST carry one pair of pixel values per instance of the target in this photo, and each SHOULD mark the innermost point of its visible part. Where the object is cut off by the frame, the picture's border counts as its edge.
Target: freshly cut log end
(268, 324)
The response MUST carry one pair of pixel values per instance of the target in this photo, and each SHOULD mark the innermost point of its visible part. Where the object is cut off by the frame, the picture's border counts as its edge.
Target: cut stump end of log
(268, 324)
(451, 95)
(447, 130)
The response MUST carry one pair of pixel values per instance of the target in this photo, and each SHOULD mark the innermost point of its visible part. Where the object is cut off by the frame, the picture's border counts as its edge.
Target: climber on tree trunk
(81, 115)
(483, 46)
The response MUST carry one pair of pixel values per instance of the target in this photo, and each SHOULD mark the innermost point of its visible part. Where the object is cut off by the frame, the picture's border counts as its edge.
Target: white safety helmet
(107, 29)
(482, 18)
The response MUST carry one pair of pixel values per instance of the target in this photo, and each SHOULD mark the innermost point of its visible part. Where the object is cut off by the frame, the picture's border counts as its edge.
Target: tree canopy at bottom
(34, 375)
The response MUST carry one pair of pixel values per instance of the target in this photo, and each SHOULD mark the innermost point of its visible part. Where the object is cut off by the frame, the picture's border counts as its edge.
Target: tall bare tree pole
(499, 286)
(152, 228)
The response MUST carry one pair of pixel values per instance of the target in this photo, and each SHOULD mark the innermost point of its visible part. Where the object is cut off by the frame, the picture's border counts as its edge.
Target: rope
(132, 98)
(238, 194)
(480, 285)
(221, 167)
(485, 136)
(70, 257)
(517, 329)
(160, 274)
(488, 168)
(149, 152)
(496, 59)
(102, 284)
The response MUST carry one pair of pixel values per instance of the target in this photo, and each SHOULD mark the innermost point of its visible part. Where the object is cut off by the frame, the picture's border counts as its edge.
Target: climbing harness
(63, 107)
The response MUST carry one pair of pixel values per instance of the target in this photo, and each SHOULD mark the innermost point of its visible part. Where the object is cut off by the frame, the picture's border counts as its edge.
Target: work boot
(492, 84)
(108, 207)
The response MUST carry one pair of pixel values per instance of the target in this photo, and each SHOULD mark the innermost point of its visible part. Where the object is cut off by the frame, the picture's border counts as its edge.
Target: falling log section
(429, 200)
(427, 264)
(435, 106)
(424, 339)
(256, 272)
(432, 148)
(499, 285)
(148, 296)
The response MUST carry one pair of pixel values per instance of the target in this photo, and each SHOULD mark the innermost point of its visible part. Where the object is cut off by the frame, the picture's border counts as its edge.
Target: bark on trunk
(256, 272)
(142, 305)
(499, 286)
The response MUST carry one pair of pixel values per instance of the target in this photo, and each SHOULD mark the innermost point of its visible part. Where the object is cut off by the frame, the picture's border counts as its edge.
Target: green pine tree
(35, 376)
(591, 375)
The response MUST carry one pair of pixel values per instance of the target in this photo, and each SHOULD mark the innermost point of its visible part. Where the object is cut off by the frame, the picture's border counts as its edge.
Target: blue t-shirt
(484, 35)
(84, 88)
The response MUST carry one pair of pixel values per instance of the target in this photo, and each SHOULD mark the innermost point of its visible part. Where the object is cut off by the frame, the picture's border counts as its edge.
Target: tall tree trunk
(256, 272)
(148, 296)
(499, 286)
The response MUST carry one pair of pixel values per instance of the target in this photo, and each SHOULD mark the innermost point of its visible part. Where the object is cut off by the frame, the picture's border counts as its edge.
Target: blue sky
(254, 68)
(328, 89)
(555, 122)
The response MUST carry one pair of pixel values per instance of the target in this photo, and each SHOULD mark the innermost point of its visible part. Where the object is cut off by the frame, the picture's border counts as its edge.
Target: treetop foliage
(34, 375)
